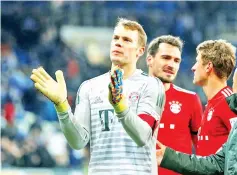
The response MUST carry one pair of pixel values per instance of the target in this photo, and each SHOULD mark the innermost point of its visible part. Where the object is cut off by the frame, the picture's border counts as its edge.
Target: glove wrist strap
(120, 107)
(62, 107)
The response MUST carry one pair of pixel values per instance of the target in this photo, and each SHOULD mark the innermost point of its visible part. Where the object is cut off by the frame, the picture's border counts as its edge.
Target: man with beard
(181, 118)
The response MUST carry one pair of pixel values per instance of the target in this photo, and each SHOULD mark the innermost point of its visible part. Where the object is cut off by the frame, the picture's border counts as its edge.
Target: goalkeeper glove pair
(56, 91)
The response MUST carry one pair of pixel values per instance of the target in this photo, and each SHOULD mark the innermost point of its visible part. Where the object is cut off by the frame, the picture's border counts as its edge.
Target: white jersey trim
(183, 90)
(227, 92)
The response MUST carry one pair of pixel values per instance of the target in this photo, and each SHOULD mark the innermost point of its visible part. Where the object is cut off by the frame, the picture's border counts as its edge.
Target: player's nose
(193, 68)
(118, 42)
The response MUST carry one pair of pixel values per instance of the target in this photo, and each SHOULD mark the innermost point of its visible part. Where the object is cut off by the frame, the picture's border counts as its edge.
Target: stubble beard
(165, 80)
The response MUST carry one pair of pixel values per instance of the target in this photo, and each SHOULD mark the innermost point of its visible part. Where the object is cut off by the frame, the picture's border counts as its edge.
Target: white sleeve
(152, 101)
(76, 128)
(151, 104)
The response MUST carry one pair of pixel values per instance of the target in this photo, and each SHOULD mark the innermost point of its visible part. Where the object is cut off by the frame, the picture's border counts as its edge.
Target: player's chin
(196, 82)
(169, 78)
(166, 80)
(116, 60)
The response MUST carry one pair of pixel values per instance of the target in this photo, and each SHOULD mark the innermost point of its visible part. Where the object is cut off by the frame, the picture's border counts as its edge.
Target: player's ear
(209, 67)
(149, 60)
(140, 51)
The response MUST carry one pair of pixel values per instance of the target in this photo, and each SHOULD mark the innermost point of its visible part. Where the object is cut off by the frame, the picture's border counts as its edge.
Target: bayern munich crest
(133, 97)
(175, 107)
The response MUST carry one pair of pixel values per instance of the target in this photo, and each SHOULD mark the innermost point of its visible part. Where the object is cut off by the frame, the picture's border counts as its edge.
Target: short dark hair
(169, 39)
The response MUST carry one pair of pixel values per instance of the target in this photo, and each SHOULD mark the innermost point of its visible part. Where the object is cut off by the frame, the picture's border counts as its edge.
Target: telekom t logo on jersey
(106, 118)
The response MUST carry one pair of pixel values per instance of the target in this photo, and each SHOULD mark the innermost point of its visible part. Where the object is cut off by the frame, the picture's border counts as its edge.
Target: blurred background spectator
(75, 37)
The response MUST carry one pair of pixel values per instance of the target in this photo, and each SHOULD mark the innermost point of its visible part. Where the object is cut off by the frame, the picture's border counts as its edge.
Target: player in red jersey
(214, 63)
(182, 113)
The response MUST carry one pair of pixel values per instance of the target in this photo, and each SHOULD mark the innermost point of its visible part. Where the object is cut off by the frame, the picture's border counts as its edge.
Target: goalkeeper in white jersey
(117, 111)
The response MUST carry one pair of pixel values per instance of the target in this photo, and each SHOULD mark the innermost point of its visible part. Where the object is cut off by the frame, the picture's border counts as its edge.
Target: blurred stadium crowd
(30, 37)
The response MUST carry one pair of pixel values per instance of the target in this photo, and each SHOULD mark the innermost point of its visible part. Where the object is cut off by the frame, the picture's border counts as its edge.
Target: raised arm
(140, 125)
(75, 127)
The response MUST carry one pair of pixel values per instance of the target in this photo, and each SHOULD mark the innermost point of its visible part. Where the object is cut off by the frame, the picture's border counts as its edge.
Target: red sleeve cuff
(152, 122)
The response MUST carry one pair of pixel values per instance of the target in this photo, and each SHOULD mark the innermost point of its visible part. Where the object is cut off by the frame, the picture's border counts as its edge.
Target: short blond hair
(133, 25)
(222, 55)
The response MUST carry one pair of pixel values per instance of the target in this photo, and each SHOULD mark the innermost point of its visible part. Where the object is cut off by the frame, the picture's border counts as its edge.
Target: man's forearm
(136, 128)
(191, 164)
(76, 135)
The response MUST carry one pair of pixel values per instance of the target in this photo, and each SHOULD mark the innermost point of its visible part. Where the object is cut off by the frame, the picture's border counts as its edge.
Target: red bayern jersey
(216, 123)
(182, 115)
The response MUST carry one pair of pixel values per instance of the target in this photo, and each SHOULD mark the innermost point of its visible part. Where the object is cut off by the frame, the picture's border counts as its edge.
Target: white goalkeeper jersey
(112, 150)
